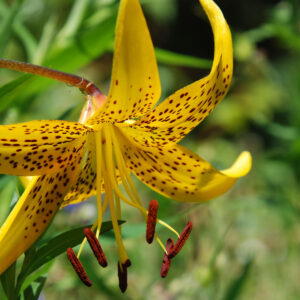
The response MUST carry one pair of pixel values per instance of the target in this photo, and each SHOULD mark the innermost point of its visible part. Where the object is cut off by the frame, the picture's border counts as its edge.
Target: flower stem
(85, 85)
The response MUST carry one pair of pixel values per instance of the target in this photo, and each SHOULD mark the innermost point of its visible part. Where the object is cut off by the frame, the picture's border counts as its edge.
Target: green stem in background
(83, 84)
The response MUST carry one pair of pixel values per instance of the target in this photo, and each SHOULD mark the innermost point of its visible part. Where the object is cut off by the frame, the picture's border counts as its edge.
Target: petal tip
(241, 166)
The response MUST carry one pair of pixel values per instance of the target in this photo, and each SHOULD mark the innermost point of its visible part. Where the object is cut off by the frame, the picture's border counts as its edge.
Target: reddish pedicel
(78, 267)
(95, 246)
(165, 266)
(181, 241)
(151, 220)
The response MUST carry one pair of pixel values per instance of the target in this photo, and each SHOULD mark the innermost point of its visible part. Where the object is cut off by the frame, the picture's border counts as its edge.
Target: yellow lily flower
(72, 161)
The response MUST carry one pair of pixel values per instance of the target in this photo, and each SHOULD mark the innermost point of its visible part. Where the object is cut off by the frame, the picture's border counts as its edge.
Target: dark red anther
(122, 274)
(181, 241)
(127, 263)
(165, 266)
(78, 267)
(151, 220)
(95, 246)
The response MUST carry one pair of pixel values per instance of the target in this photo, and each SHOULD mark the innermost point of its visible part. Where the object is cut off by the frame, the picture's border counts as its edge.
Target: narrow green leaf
(6, 25)
(77, 54)
(236, 286)
(20, 187)
(74, 20)
(35, 275)
(7, 189)
(10, 91)
(2, 293)
(42, 281)
(182, 60)
(8, 282)
(21, 32)
(59, 244)
(28, 293)
(48, 35)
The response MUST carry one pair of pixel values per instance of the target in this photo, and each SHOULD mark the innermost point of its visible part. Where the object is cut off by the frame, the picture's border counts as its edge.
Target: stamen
(98, 138)
(95, 246)
(165, 266)
(78, 267)
(151, 220)
(127, 263)
(110, 182)
(181, 241)
(129, 186)
(122, 274)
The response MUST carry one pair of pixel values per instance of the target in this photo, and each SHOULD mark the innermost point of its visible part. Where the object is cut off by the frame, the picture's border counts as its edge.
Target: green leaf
(36, 275)
(28, 293)
(7, 189)
(176, 59)
(41, 280)
(6, 25)
(8, 282)
(74, 20)
(21, 32)
(236, 286)
(59, 244)
(11, 90)
(79, 52)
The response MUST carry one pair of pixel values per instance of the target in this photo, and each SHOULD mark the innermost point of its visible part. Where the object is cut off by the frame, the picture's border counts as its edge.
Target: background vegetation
(245, 244)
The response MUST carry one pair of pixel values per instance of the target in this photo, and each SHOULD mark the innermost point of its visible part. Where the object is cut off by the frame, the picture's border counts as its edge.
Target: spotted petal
(178, 173)
(39, 147)
(135, 84)
(34, 211)
(186, 108)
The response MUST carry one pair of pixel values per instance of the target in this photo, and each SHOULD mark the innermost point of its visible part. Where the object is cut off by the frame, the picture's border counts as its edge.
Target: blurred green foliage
(245, 244)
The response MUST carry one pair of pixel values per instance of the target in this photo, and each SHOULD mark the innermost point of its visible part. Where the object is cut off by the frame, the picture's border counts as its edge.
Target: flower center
(111, 169)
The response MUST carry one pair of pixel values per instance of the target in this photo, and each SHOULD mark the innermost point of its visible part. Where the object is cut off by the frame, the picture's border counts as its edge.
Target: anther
(165, 266)
(122, 274)
(78, 267)
(181, 241)
(151, 220)
(95, 246)
(127, 263)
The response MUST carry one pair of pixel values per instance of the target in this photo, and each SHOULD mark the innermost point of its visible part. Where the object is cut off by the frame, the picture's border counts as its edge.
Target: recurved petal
(135, 85)
(187, 107)
(180, 174)
(40, 147)
(85, 185)
(34, 211)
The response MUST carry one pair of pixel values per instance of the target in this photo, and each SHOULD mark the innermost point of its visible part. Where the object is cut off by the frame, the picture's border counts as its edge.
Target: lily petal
(180, 174)
(186, 108)
(34, 211)
(85, 185)
(135, 84)
(39, 147)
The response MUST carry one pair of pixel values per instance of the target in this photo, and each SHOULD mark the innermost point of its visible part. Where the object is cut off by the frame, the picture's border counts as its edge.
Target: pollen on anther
(181, 241)
(95, 246)
(78, 267)
(151, 220)
(165, 266)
